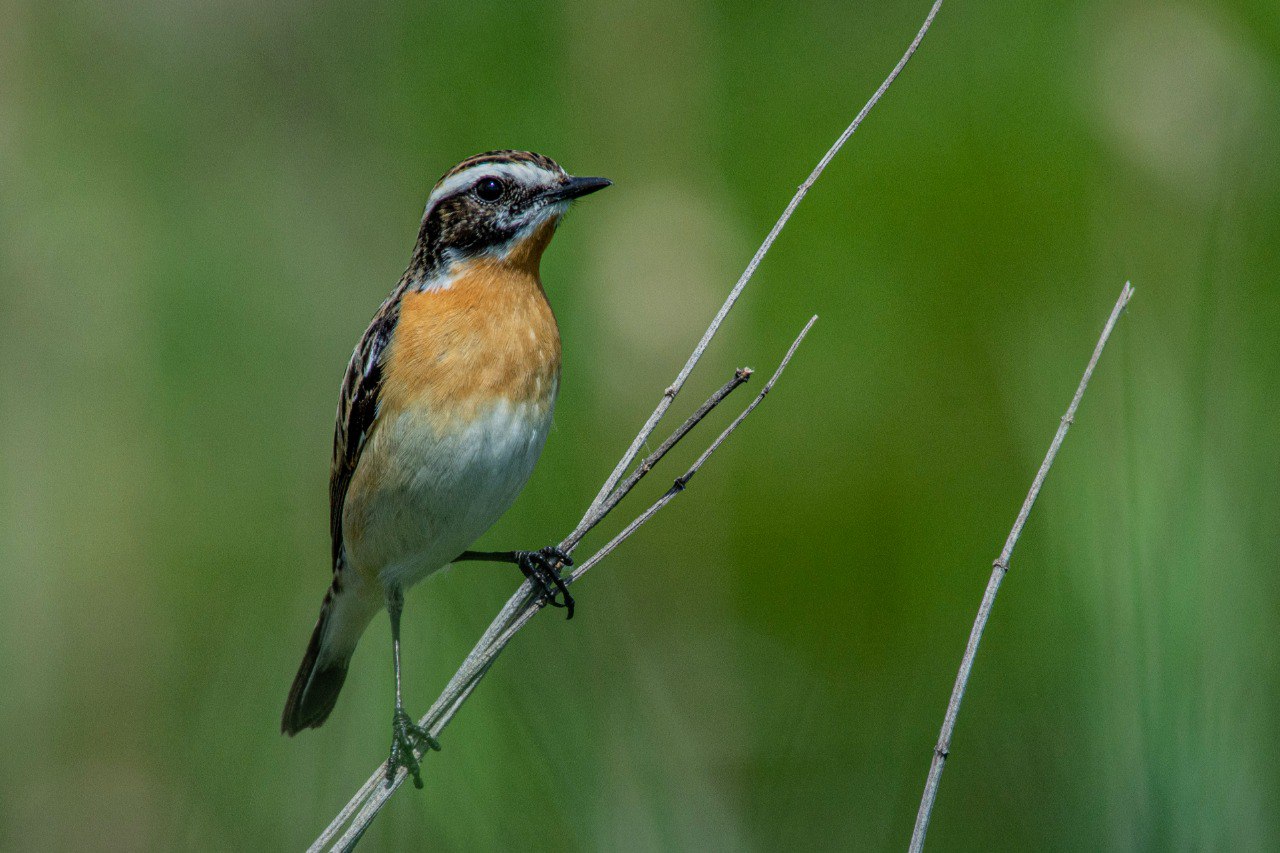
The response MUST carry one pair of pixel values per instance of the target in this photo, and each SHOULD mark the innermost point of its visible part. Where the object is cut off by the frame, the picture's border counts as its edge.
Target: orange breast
(489, 335)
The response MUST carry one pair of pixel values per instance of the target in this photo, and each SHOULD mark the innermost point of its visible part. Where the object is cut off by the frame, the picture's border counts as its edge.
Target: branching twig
(361, 809)
(998, 570)
(683, 480)
(646, 465)
(371, 797)
(367, 800)
(677, 487)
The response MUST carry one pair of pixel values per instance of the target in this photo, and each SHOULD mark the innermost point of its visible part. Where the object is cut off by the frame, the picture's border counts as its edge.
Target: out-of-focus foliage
(201, 204)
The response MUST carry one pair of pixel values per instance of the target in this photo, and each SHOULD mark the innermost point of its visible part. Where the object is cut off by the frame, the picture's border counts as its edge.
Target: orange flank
(489, 334)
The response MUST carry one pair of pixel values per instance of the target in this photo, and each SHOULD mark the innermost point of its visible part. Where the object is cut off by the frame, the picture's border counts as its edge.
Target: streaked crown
(490, 203)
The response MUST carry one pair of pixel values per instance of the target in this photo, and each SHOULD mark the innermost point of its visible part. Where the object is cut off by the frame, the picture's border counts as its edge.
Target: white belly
(443, 491)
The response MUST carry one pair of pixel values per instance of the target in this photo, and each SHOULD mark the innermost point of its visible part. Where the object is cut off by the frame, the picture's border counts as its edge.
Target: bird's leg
(541, 566)
(406, 735)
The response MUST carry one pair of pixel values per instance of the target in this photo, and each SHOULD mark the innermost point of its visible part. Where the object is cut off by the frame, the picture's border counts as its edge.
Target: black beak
(577, 188)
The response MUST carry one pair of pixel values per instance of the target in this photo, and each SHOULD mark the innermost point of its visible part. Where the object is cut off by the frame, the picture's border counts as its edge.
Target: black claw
(543, 568)
(406, 737)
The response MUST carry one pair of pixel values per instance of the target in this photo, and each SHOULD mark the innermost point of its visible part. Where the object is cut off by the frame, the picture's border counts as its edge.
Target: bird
(443, 412)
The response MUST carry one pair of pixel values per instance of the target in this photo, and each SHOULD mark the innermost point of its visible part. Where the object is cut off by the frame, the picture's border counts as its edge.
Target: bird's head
(499, 204)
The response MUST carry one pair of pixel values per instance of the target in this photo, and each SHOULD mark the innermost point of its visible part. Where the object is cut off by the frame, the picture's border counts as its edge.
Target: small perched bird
(443, 412)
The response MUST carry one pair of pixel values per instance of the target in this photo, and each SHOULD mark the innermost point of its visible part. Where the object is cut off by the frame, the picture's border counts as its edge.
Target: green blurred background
(202, 203)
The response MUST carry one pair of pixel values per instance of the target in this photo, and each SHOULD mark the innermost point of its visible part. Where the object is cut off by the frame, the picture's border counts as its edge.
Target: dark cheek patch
(463, 226)
(469, 227)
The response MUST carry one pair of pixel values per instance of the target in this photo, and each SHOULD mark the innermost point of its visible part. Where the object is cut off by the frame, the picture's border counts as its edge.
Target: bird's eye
(490, 189)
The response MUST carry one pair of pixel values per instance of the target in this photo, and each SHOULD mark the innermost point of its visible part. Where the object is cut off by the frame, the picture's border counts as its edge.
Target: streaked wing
(358, 409)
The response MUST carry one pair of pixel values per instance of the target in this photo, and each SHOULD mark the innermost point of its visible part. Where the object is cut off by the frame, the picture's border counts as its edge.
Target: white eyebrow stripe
(521, 173)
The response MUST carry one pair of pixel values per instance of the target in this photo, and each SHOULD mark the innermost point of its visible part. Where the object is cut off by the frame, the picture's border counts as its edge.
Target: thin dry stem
(998, 571)
(360, 811)
(647, 464)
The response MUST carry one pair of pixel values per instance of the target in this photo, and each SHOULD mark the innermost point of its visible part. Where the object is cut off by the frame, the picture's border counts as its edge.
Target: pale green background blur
(202, 203)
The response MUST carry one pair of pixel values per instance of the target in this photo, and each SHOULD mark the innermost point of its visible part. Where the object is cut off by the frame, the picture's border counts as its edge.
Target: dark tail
(343, 617)
(316, 686)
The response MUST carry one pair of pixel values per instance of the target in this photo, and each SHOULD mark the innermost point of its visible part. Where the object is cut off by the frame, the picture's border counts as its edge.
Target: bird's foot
(406, 737)
(543, 568)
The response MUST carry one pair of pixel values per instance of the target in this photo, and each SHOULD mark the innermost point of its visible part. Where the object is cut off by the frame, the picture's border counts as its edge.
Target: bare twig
(646, 465)
(366, 800)
(676, 488)
(683, 480)
(664, 402)
(998, 571)
(369, 800)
